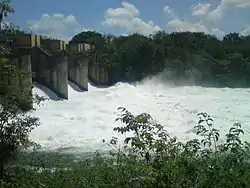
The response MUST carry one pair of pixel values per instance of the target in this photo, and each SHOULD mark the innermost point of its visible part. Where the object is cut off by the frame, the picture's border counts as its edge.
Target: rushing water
(80, 123)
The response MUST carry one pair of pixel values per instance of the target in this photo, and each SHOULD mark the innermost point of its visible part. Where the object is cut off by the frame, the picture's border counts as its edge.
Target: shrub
(15, 126)
(150, 158)
(196, 163)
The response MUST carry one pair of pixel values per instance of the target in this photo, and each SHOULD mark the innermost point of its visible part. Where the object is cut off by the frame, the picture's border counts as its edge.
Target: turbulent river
(80, 123)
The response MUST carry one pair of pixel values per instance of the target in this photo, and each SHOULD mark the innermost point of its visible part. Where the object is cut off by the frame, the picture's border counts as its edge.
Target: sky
(63, 18)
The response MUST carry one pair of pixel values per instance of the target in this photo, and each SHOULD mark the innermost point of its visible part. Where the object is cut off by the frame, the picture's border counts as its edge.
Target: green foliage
(196, 163)
(90, 37)
(149, 157)
(5, 10)
(13, 79)
(5, 6)
(216, 62)
(15, 125)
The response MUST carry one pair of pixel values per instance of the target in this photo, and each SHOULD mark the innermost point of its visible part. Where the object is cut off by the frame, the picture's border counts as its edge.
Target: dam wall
(97, 72)
(18, 79)
(49, 63)
(78, 62)
(52, 63)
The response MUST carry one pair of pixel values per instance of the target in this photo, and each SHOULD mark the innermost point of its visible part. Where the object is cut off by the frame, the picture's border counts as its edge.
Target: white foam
(88, 117)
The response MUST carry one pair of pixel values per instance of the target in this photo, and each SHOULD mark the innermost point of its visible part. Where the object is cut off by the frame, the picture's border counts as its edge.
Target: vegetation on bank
(15, 124)
(201, 58)
(149, 157)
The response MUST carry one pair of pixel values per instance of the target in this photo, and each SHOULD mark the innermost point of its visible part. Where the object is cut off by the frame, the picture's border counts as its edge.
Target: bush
(15, 126)
(150, 158)
(195, 163)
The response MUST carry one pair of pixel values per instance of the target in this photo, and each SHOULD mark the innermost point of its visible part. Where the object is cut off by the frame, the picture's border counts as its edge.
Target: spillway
(80, 123)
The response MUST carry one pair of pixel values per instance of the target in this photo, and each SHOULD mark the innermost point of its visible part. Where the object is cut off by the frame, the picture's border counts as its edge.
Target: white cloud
(218, 13)
(180, 25)
(200, 9)
(169, 12)
(218, 32)
(128, 11)
(56, 25)
(237, 3)
(127, 18)
(246, 31)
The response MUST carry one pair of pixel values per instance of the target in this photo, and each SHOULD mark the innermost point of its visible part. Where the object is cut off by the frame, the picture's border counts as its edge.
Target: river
(81, 122)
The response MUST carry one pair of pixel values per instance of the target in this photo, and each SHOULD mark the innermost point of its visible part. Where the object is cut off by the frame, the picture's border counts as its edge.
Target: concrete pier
(97, 72)
(78, 65)
(53, 63)
(78, 71)
(18, 80)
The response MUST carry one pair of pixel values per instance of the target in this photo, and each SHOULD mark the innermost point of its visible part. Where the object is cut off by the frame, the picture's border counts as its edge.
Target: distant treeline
(201, 58)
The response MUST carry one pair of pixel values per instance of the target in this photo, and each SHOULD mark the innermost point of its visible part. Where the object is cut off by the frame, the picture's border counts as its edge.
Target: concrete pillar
(83, 74)
(78, 71)
(106, 77)
(61, 85)
(71, 68)
(52, 71)
(19, 82)
(102, 75)
(26, 84)
(53, 80)
(41, 60)
(93, 73)
(47, 77)
(98, 73)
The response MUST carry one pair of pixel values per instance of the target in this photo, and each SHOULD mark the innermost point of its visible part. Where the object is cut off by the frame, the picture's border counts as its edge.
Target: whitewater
(80, 123)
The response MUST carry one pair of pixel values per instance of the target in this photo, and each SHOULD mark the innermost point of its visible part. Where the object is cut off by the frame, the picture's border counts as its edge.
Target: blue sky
(63, 19)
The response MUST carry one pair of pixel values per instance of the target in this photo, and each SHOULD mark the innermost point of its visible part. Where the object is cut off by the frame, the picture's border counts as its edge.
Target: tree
(167, 162)
(15, 125)
(134, 57)
(91, 37)
(5, 9)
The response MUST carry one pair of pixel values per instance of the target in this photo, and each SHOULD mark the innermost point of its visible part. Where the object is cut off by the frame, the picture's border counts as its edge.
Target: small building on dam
(51, 63)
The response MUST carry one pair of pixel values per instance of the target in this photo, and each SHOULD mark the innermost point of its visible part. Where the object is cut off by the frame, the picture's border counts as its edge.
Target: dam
(52, 63)
(83, 119)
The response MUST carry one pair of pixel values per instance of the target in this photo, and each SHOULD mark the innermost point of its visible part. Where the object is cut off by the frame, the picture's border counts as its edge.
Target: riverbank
(152, 159)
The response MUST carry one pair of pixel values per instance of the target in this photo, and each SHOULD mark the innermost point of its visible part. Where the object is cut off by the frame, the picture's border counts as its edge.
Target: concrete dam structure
(18, 81)
(53, 63)
(97, 73)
